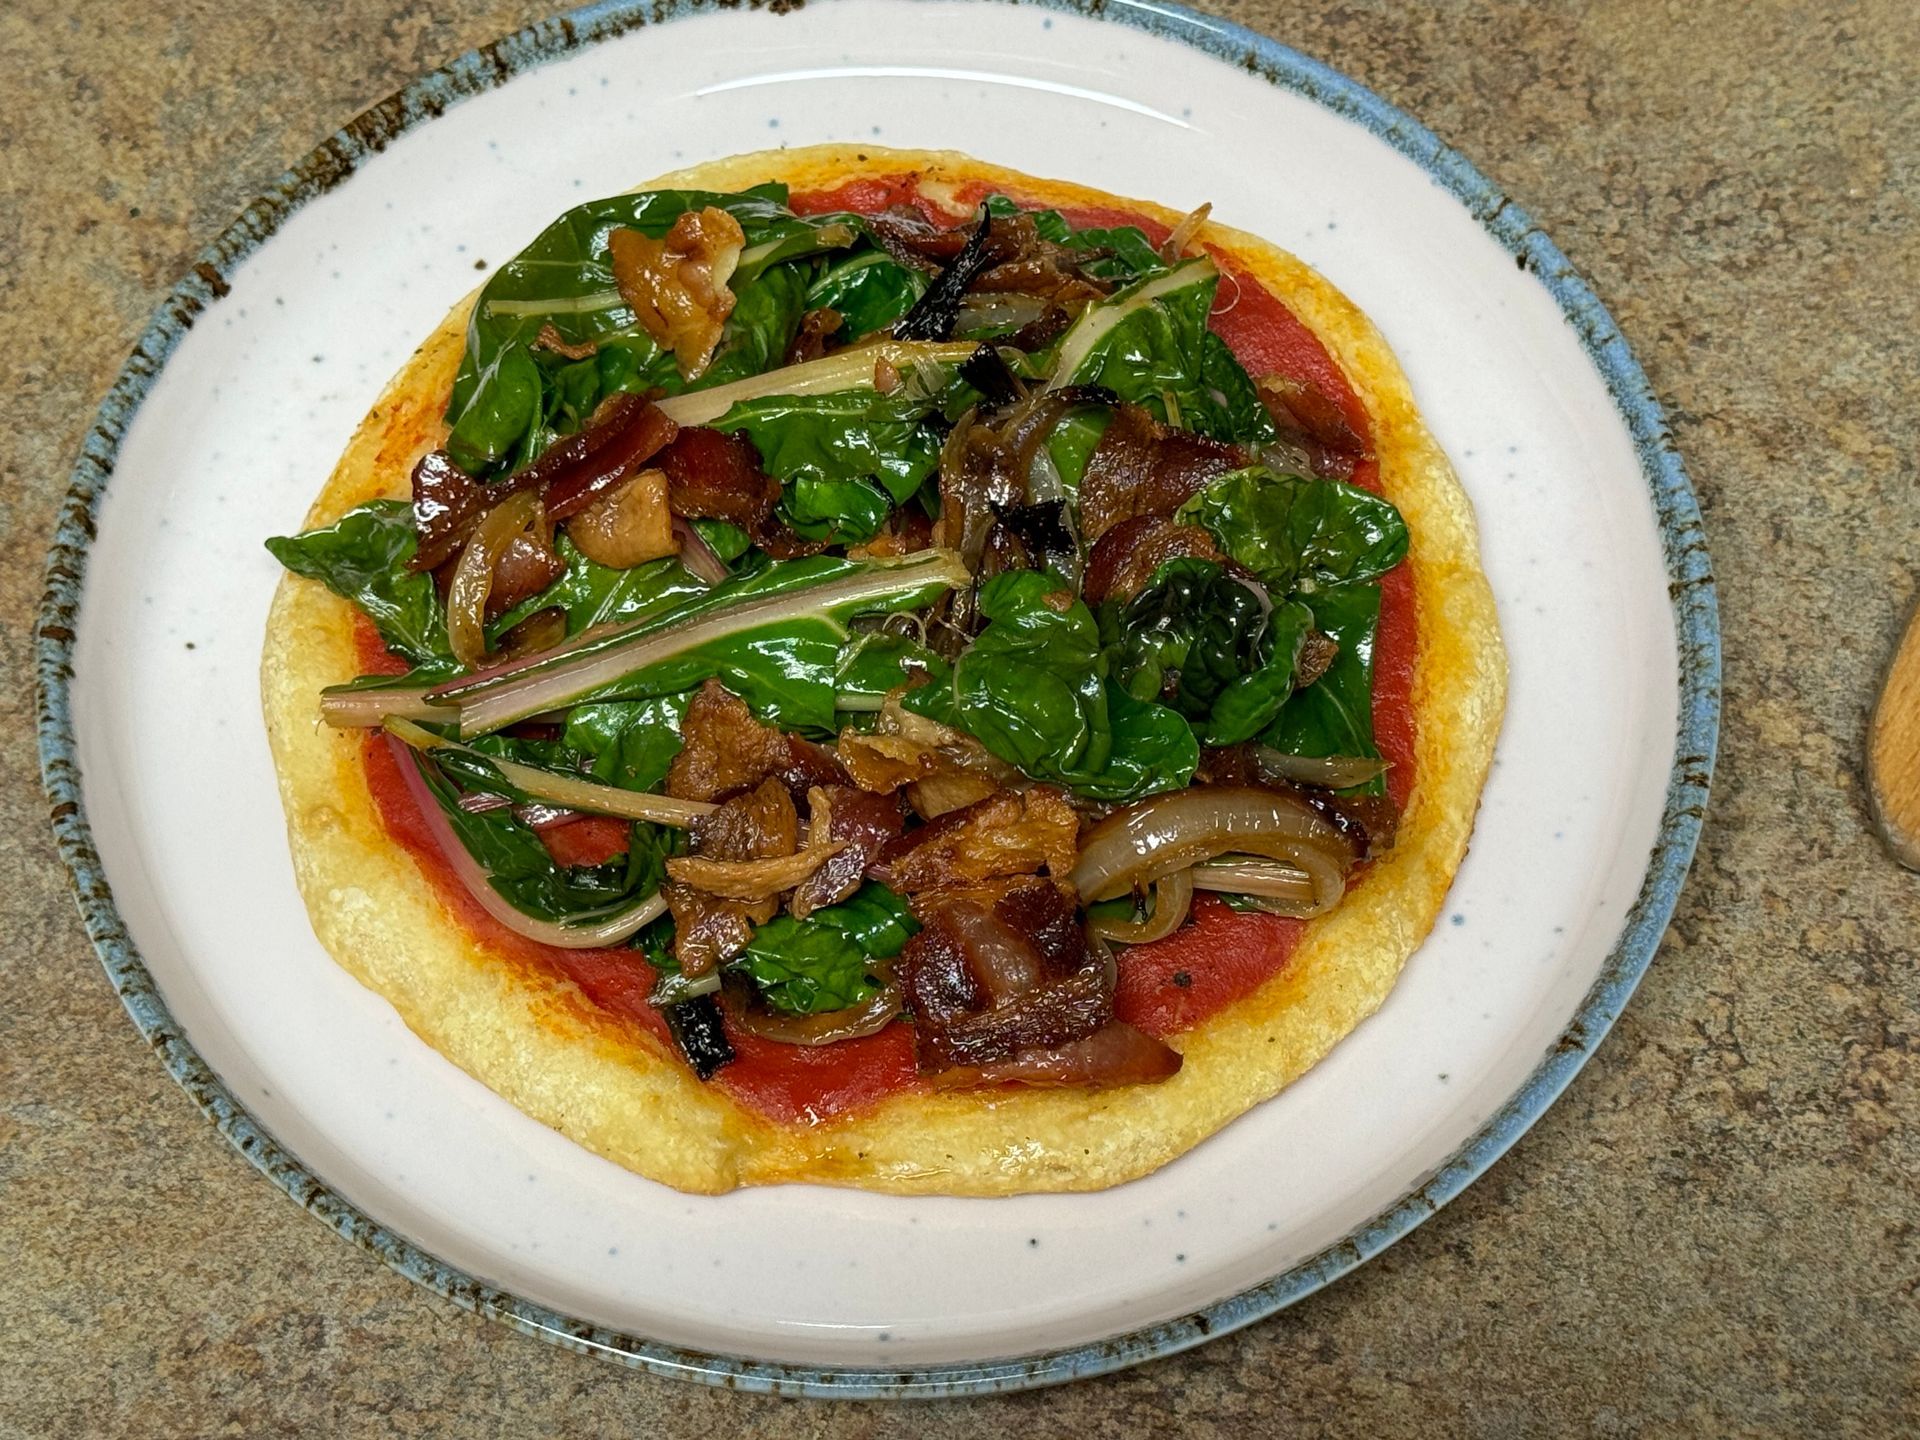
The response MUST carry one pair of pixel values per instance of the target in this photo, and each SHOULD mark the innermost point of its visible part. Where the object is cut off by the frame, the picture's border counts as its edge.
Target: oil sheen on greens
(1113, 703)
(510, 401)
(825, 962)
(1034, 687)
(1317, 546)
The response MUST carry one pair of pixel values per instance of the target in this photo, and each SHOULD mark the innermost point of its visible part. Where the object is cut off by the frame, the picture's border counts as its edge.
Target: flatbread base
(538, 1042)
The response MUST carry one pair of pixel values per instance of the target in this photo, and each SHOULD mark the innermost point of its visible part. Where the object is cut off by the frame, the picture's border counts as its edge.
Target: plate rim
(1691, 590)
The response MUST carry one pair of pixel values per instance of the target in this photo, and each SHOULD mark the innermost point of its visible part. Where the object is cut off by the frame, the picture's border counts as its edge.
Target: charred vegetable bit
(934, 313)
(919, 674)
(701, 1034)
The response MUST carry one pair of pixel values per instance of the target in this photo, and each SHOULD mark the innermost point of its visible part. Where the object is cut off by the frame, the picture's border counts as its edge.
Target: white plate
(1585, 831)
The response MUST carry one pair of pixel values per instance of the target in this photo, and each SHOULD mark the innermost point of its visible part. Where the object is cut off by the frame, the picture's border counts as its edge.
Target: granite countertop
(1715, 1232)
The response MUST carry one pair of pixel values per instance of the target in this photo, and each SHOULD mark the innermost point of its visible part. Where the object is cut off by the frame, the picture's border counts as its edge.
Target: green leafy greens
(869, 290)
(511, 400)
(629, 743)
(362, 557)
(844, 459)
(1206, 644)
(592, 594)
(1334, 715)
(1297, 533)
(1121, 253)
(825, 962)
(1327, 544)
(519, 867)
(1149, 343)
(1034, 689)
(771, 633)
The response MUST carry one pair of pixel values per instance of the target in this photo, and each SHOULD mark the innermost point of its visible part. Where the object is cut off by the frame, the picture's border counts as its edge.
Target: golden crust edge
(623, 1097)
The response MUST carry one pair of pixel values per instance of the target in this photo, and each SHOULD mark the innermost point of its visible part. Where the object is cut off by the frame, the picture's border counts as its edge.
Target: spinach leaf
(783, 670)
(568, 391)
(837, 512)
(1334, 715)
(508, 401)
(874, 918)
(845, 458)
(1186, 637)
(870, 290)
(1240, 413)
(1153, 749)
(1033, 689)
(596, 595)
(807, 967)
(766, 315)
(1133, 257)
(362, 557)
(1296, 533)
(629, 743)
(1207, 645)
(1249, 703)
(525, 875)
(1150, 344)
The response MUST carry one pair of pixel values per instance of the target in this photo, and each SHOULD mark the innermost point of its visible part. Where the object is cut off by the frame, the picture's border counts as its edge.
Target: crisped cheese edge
(537, 1042)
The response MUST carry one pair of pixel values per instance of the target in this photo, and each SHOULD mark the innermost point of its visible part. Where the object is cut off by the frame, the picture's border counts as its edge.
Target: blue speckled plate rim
(1690, 582)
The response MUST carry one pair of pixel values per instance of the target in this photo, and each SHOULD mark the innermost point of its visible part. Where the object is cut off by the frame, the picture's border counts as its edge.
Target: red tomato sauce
(1165, 987)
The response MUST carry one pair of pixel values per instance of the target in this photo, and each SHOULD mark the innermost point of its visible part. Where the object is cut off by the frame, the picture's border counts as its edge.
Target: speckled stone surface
(1717, 1231)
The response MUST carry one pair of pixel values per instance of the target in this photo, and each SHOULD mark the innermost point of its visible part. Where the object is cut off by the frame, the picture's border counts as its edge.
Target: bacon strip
(1313, 422)
(1007, 988)
(716, 476)
(625, 433)
(1141, 467)
(1123, 560)
(1115, 1054)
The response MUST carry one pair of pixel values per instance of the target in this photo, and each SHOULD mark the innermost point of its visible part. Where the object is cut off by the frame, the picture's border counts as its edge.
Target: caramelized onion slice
(1000, 312)
(605, 930)
(1172, 898)
(473, 575)
(1309, 883)
(1333, 772)
(763, 879)
(867, 1018)
(1176, 243)
(1164, 833)
(696, 555)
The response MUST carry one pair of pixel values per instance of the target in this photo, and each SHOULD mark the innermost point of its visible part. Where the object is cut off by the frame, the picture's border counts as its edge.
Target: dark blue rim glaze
(1690, 581)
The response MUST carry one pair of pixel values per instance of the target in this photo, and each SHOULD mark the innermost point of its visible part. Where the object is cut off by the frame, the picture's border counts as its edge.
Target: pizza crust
(542, 1046)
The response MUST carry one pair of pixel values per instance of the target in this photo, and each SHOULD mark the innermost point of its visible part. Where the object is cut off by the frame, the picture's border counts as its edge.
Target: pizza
(865, 667)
